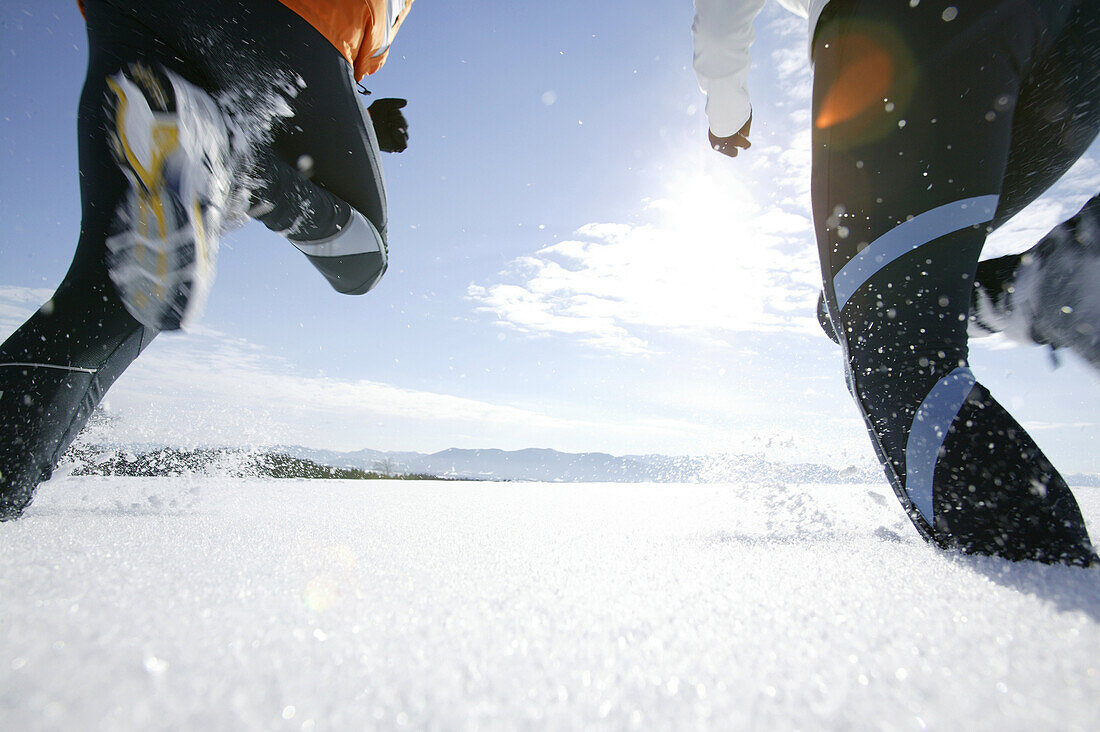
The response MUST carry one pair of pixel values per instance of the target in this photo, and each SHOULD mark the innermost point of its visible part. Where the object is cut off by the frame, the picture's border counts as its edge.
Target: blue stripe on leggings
(926, 436)
(906, 237)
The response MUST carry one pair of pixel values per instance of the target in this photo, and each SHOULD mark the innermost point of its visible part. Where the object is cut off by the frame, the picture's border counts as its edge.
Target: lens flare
(864, 81)
(321, 593)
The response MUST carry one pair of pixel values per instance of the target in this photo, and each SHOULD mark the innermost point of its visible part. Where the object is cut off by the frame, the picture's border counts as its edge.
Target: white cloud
(727, 249)
(206, 387)
(221, 390)
(17, 304)
(709, 261)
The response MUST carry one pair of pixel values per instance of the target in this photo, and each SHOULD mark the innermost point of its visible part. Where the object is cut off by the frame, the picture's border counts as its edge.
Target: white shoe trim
(358, 237)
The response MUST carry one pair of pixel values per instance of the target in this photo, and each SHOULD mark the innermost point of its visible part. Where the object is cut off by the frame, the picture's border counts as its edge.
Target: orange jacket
(361, 30)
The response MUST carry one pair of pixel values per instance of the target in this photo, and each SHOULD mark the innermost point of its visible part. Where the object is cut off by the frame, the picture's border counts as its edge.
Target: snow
(218, 603)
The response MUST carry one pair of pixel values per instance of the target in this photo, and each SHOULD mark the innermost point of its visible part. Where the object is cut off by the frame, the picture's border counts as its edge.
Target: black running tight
(260, 58)
(932, 125)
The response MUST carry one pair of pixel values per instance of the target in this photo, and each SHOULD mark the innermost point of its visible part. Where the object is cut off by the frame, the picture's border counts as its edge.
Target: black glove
(729, 145)
(390, 125)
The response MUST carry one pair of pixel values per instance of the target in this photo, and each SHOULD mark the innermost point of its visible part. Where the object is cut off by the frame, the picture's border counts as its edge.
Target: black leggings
(933, 125)
(255, 55)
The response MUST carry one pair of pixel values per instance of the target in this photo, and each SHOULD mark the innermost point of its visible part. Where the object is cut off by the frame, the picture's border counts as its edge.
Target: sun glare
(738, 264)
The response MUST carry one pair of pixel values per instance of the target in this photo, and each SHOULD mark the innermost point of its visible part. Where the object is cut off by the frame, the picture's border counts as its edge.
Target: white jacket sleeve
(723, 33)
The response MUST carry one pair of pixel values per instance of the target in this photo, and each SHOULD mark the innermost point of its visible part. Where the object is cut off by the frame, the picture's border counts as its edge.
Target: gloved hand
(390, 125)
(730, 145)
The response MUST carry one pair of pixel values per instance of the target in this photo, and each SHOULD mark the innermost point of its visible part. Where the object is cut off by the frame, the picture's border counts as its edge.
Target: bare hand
(732, 144)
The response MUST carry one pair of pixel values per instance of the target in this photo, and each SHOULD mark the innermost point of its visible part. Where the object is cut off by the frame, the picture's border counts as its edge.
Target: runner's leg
(1054, 122)
(906, 179)
(55, 369)
(293, 96)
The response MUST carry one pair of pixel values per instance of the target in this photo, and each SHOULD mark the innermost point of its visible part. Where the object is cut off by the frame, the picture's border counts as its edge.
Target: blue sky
(571, 267)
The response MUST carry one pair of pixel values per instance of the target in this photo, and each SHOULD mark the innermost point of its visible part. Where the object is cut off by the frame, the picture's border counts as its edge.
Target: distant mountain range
(533, 464)
(565, 467)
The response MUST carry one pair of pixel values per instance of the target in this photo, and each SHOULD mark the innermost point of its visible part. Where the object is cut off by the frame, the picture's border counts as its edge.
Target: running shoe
(170, 140)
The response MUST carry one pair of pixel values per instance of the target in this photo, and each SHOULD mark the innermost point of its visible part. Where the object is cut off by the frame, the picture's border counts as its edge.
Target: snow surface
(216, 603)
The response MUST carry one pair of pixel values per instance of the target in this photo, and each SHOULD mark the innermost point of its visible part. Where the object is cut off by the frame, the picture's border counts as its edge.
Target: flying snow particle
(155, 666)
(549, 97)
